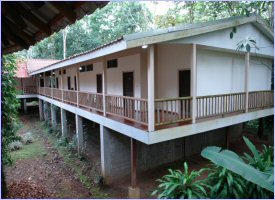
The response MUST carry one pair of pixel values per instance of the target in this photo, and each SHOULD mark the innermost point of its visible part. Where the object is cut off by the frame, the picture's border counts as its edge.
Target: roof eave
(172, 35)
(112, 48)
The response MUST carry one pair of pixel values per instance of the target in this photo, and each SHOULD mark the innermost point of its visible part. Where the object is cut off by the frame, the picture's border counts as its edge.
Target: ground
(44, 169)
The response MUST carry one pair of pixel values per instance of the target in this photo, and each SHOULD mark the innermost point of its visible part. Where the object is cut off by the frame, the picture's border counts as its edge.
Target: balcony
(168, 112)
(27, 90)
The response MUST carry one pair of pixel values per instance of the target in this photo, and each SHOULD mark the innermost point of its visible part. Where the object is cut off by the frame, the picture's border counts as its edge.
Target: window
(112, 63)
(89, 67)
(59, 72)
(64, 71)
(56, 82)
(82, 68)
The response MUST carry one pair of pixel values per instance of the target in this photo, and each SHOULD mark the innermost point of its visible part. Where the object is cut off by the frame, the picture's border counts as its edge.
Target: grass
(35, 149)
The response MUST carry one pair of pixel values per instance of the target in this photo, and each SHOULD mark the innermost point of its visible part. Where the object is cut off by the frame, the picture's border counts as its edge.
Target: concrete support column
(246, 84)
(46, 108)
(79, 133)
(151, 88)
(25, 106)
(115, 155)
(41, 111)
(133, 190)
(53, 115)
(64, 123)
(194, 82)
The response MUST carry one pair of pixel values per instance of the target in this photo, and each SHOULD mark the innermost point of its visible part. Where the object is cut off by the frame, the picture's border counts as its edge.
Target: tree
(190, 12)
(105, 25)
(9, 105)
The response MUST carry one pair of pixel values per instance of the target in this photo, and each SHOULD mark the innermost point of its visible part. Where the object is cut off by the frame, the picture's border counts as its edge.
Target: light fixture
(80, 68)
(40, 75)
(144, 46)
(50, 76)
(53, 73)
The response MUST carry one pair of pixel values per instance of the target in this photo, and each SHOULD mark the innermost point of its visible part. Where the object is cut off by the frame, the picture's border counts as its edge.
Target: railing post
(77, 87)
(104, 85)
(194, 83)
(44, 76)
(62, 93)
(151, 88)
(51, 78)
(247, 66)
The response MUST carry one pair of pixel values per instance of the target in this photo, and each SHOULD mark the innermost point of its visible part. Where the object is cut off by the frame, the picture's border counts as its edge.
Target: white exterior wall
(115, 75)
(260, 74)
(221, 39)
(87, 80)
(171, 58)
(221, 73)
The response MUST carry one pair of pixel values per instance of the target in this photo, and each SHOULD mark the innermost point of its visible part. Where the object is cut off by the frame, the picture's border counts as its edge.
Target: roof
(24, 67)
(27, 22)
(162, 35)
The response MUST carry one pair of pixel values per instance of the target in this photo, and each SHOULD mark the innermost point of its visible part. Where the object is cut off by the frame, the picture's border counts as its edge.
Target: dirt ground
(39, 170)
(47, 172)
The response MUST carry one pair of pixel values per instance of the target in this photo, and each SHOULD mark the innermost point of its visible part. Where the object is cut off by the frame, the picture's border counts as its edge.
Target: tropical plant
(178, 184)
(223, 183)
(235, 163)
(260, 160)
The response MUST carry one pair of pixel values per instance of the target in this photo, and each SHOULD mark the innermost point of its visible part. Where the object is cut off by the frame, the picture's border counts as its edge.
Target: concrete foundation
(115, 154)
(133, 193)
(115, 150)
(64, 126)
(79, 133)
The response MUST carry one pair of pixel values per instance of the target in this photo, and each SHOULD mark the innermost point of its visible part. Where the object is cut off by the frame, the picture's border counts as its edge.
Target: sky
(158, 7)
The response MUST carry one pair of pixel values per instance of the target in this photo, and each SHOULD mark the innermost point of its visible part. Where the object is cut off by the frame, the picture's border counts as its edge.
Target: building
(163, 95)
(26, 84)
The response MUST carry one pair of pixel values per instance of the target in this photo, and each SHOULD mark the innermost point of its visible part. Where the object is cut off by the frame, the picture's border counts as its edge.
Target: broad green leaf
(234, 163)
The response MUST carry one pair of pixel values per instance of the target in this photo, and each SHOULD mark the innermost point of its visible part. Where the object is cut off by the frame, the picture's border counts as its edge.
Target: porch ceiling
(25, 23)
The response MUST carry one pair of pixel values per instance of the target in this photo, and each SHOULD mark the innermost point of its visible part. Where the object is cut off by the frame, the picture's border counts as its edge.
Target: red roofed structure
(26, 83)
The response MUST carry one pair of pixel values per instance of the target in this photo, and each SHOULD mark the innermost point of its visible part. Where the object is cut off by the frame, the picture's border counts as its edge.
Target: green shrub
(15, 145)
(73, 143)
(27, 138)
(224, 184)
(62, 142)
(178, 184)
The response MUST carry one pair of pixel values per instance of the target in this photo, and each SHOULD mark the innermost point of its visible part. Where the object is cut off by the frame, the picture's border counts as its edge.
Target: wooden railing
(173, 110)
(29, 90)
(41, 90)
(133, 109)
(260, 99)
(70, 96)
(214, 105)
(167, 111)
(57, 94)
(91, 100)
(48, 91)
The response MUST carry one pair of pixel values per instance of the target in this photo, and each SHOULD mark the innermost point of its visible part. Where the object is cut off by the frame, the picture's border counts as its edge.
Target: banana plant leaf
(231, 161)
